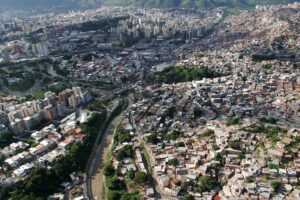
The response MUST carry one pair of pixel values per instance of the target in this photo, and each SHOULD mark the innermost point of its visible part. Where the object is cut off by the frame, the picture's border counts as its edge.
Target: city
(137, 103)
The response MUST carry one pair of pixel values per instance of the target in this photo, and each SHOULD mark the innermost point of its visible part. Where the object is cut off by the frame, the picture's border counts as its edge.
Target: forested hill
(18, 4)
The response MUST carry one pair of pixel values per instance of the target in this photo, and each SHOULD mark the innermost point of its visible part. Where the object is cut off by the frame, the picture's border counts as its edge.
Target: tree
(131, 196)
(152, 139)
(173, 135)
(232, 121)
(122, 135)
(59, 130)
(173, 162)
(131, 174)
(7, 136)
(125, 152)
(113, 195)
(116, 184)
(141, 177)
(275, 185)
(188, 197)
(235, 145)
(206, 183)
(109, 169)
(5, 191)
(208, 133)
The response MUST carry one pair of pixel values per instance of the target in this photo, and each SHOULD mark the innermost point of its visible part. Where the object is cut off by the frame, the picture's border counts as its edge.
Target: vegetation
(115, 183)
(184, 74)
(270, 120)
(173, 135)
(38, 95)
(130, 41)
(206, 183)
(89, 57)
(122, 105)
(275, 185)
(57, 87)
(6, 137)
(188, 197)
(24, 84)
(114, 195)
(208, 133)
(267, 66)
(153, 139)
(121, 135)
(126, 152)
(131, 196)
(97, 106)
(141, 177)
(232, 121)
(234, 144)
(109, 169)
(272, 133)
(173, 162)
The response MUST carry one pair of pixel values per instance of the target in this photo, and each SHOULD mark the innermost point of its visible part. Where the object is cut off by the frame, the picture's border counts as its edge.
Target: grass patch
(38, 94)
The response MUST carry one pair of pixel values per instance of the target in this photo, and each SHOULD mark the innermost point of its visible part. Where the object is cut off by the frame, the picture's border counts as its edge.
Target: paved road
(95, 184)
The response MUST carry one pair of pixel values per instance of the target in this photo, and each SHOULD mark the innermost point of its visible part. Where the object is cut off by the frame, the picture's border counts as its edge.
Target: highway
(94, 181)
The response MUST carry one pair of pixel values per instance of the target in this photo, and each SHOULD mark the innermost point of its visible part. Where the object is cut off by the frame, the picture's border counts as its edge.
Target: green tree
(116, 184)
(275, 185)
(141, 177)
(109, 169)
(173, 162)
(206, 183)
(126, 152)
(131, 196)
(113, 195)
(131, 174)
(234, 144)
(208, 133)
(232, 121)
(188, 197)
(7, 136)
(152, 139)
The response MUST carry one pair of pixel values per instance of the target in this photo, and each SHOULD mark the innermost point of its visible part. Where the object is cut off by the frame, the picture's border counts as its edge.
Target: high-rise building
(51, 98)
(50, 112)
(62, 110)
(12, 116)
(37, 105)
(74, 101)
(77, 91)
(40, 49)
(28, 123)
(64, 95)
(17, 126)
(39, 117)
(86, 97)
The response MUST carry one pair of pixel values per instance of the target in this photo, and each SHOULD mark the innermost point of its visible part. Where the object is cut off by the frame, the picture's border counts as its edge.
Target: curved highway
(94, 183)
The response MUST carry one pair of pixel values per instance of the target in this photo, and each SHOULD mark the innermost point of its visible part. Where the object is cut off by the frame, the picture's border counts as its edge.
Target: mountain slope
(17, 4)
(194, 3)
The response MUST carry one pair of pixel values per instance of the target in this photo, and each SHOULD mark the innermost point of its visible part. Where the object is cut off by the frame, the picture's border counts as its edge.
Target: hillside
(194, 3)
(17, 4)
